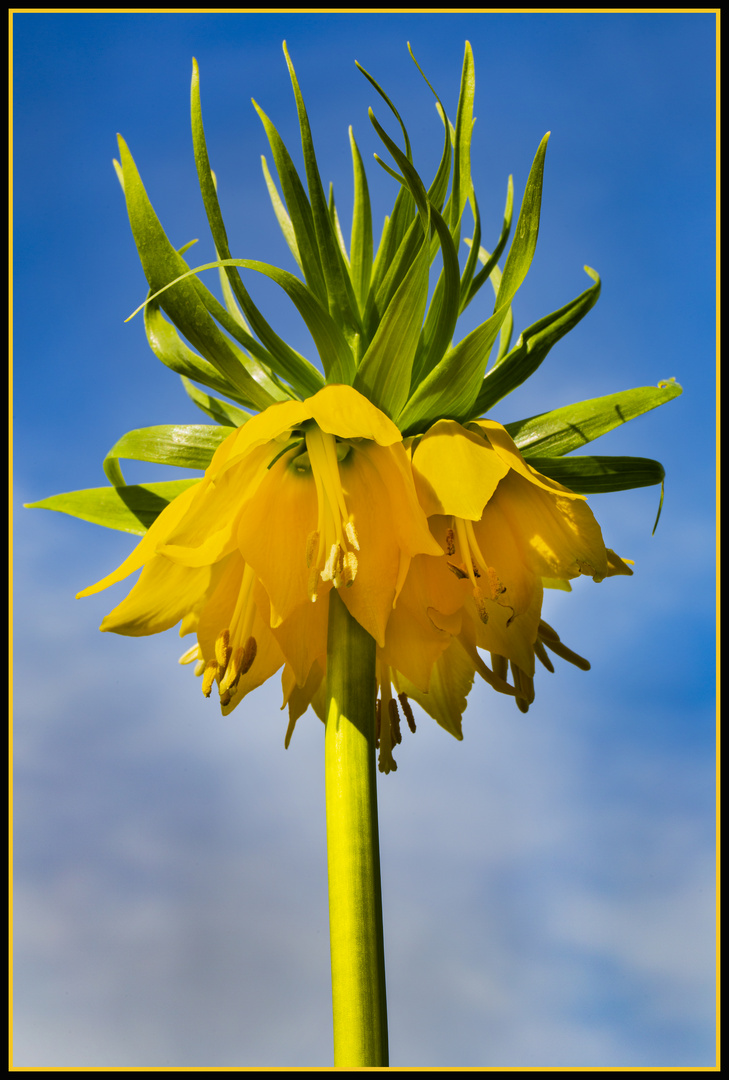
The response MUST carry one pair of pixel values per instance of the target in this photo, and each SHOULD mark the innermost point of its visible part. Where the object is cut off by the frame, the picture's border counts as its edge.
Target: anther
(351, 534)
(460, 574)
(211, 671)
(199, 667)
(249, 655)
(394, 721)
(405, 705)
(223, 650)
(450, 542)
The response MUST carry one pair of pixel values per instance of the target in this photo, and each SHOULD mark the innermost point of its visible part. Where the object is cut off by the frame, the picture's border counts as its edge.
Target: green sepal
(562, 430)
(451, 388)
(222, 412)
(532, 347)
(131, 509)
(188, 446)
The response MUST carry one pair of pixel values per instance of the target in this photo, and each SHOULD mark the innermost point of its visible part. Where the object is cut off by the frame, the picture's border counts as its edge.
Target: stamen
(394, 721)
(351, 534)
(193, 653)
(211, 671)
(541, 653)
(223, 650)
(500, 666)
(249, 655)
(405, 703)
(199, 667)
(450, 542)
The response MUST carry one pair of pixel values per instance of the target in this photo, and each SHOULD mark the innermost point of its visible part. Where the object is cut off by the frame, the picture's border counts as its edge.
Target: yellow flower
(506, 531)
(306, 496)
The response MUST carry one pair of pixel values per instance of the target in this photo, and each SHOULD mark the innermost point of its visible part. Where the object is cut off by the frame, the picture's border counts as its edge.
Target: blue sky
(548, 882)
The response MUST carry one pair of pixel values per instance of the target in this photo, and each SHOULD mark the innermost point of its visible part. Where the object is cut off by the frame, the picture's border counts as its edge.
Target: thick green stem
(353, 852)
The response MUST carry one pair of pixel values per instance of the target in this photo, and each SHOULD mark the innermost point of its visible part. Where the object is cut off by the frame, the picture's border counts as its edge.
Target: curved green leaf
(593, 475)
(558, 432)
(361, 238)
(188, 446)
(130, 509)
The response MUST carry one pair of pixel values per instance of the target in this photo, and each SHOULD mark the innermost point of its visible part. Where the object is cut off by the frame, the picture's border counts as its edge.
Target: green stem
(353, 852)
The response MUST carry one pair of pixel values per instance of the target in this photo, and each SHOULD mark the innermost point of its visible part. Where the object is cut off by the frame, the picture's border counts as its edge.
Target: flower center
(330, 549)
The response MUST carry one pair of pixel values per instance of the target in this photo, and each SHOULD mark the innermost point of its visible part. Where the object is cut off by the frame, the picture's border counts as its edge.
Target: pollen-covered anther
(495, 583)
(351, 534)
(209, 676)
(223, 650)
(405, 706)
(450, 541)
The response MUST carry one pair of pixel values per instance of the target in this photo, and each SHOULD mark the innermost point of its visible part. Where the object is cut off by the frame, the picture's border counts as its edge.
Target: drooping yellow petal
(450, 683)
(456, 471)
(164, 593)
(509, 453)
(145, 549)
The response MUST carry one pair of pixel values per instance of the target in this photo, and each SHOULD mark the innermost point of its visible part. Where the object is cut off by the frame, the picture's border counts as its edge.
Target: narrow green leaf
(451, 389)
(562, 430)
(168, 346)
(385, 98)
(334, 216)
(532, 347)
(188, 446)
(342, 303)
(331, 343)
(384, 373)
(461, 187)
(222, 412)
(286, 361)
(130, 509)
(282, 216)
(184, 305)
(524, 243)
(361, 239)
(593, 475)
(484, 274)
(297, 202)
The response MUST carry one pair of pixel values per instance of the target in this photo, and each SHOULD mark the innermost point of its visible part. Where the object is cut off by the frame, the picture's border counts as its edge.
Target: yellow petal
(509, 453)
(450, 683)
(145, 549)
(164, 593)
(456, 471)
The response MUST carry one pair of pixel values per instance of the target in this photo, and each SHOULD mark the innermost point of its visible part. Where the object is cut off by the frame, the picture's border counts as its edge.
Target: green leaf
(297, 203)
(188, 446)
(384, 373)
(532, 347)
(558, 432)
(285, 360)
(130, 509)
(461, 188)
(184, 304)
(282, 216)
(222, 412)
(361, 239)
(593, 475)
(524, 243)
(450, 390)
(342, 303)
(484, 274)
